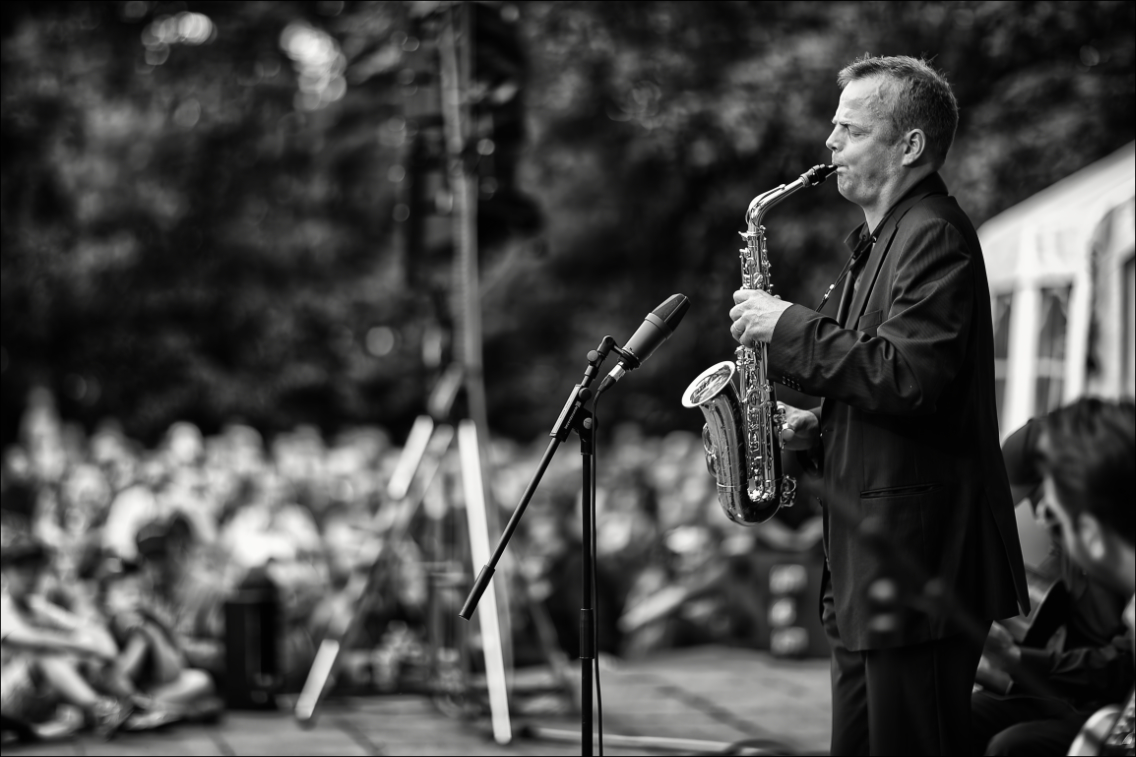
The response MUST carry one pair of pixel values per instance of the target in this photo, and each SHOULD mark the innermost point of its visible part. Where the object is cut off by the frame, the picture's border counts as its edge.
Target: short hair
(920, 98)
(1091, 445)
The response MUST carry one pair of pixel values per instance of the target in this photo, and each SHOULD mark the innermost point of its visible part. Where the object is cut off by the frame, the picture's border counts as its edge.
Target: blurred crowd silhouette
(158, 539)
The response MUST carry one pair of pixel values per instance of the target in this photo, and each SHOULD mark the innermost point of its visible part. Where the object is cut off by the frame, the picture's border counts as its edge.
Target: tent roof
(1048, 234)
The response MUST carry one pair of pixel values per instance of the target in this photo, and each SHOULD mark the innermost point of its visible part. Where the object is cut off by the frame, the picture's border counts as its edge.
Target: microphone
(657, 327)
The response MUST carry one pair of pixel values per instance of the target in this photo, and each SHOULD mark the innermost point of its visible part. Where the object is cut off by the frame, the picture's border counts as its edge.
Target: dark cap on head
(151, 540)
(1022, 455)
(165, 536)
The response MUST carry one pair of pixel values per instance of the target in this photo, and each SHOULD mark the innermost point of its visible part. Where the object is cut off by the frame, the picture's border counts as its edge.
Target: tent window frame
(1002, 313)
(1051, 346)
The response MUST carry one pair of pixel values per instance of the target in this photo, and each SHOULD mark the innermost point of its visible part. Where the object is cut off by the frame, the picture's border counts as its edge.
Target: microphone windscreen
(656, 328)
(672, 310)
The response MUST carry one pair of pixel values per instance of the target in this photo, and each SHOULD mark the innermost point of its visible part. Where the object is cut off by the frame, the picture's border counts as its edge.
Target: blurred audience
(148, 545)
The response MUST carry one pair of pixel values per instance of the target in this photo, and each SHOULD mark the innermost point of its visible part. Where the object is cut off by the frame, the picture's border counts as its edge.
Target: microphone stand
(574, 417)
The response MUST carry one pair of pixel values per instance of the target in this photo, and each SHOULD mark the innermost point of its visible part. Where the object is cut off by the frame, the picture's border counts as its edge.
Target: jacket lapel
(845, 302)
(930, 186)
(868, 275)
(855, 242)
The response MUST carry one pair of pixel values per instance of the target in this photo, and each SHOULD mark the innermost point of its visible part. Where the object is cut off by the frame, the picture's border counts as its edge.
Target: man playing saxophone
(907, 435)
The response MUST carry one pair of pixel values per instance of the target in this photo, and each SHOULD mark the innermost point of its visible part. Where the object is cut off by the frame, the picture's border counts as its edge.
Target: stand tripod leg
(480, 552)
(412, 452)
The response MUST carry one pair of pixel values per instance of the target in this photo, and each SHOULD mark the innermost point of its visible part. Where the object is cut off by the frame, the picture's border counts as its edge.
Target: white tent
(1062, 280)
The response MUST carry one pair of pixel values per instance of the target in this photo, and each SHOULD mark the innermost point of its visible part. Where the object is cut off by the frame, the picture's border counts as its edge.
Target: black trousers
(911, 700)
(1023, 725)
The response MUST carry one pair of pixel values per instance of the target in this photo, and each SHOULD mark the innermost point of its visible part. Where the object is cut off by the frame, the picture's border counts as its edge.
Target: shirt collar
(859, 241)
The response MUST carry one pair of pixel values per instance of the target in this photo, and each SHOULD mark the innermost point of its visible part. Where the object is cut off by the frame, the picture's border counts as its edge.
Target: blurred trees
(191, 229)
(243, 216)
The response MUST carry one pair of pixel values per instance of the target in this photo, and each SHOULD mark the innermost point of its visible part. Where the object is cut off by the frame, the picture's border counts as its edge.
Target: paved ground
(698, 701)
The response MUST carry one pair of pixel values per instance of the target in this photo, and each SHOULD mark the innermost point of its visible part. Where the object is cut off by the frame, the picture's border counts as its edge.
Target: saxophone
(742, 435)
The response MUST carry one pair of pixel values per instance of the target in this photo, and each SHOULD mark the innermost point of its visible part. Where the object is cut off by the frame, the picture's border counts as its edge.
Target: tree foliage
(208, 230)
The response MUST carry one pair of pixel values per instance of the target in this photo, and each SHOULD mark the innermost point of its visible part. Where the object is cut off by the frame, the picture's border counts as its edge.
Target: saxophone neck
(761, 204)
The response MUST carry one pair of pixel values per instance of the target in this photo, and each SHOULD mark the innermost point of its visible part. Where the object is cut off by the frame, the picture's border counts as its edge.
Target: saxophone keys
(712, 463)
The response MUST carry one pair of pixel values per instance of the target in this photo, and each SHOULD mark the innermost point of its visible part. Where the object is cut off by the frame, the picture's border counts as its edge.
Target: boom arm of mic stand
(573, 413)
(486, 574)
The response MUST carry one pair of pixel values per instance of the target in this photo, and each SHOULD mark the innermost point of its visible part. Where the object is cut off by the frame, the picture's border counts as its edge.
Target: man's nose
(831, 143)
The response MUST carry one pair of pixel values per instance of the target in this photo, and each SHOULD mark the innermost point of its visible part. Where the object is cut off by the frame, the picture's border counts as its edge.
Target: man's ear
(1092, 537)
(914, 147)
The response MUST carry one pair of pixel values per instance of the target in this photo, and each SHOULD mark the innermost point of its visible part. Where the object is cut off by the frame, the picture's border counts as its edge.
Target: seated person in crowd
(184, 592)
(150, 665)
(1081, 455)
(48, 656)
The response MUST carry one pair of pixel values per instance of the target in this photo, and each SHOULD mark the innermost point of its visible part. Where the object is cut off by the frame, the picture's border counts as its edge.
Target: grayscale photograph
(487, 377)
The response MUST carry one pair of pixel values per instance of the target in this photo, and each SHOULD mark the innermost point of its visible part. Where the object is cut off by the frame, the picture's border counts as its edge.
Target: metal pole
(456, 53)
(587, 611)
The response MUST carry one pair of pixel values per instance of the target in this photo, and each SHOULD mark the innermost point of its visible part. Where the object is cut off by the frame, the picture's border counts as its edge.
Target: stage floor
(718, 696)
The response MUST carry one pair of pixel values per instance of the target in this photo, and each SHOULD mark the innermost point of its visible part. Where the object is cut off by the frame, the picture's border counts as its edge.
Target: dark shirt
(1093, 665)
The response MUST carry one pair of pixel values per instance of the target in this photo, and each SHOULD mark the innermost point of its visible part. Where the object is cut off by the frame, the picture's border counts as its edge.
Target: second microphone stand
(574, 417)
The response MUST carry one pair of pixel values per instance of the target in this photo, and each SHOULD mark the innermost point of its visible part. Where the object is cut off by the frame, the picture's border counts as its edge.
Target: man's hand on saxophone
(755, 314)
(801, 430)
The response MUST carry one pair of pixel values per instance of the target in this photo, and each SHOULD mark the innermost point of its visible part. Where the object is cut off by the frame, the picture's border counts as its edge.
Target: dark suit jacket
(909, 428)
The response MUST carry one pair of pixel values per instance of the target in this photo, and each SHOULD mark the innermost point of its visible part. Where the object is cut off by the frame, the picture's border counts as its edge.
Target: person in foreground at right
(1075, 641)
(1089, 462)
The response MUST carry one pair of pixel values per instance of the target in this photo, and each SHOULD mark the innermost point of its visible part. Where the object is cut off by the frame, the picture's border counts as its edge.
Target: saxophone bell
(746, 499)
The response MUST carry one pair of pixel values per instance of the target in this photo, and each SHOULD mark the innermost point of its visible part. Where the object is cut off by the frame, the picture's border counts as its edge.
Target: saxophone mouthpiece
(817, 174)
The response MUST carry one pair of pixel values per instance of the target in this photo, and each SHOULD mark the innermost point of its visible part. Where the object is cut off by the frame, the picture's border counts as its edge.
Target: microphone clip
(628, 357)
(575, 415)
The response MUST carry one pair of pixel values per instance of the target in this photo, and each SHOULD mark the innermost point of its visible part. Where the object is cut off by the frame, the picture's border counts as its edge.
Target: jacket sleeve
(919, 345)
